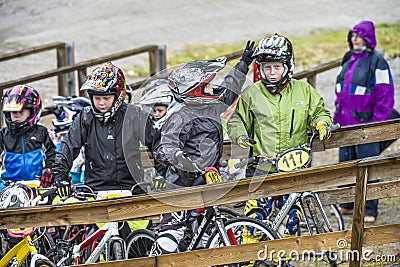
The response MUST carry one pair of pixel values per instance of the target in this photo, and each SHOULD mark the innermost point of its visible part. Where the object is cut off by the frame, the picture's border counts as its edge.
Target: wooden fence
(322, 179)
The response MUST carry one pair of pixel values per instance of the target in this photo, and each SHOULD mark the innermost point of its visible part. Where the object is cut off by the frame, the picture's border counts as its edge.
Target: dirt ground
(100, 27)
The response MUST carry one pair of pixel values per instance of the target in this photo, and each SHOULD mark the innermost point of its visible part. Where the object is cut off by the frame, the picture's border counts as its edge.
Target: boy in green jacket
(275, 114)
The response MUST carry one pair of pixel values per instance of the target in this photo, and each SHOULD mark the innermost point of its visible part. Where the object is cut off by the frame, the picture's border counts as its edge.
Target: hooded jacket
(197, 131)
(26, 154)
(277, 121)
(364, 86)
(108, 148)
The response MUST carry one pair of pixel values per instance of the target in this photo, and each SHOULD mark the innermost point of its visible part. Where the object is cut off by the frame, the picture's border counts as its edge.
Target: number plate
(212, 176)
(293, 159)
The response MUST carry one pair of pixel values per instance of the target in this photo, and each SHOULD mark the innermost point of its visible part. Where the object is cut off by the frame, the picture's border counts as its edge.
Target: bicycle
(25, 252)
(315, 218)
(111, 245)
(223, 229)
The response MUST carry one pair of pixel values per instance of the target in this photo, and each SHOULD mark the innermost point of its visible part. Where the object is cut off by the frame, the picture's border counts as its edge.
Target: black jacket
(108, 148)
(197, 131)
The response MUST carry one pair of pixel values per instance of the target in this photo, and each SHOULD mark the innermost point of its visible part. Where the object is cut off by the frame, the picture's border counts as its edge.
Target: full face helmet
(18, 98)
(106, 80)
(17, 195)
(69, 107)
(275, 49)
(188, 80)
(156, 93)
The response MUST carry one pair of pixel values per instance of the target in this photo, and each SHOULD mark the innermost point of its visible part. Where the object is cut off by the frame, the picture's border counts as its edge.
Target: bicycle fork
(310, 202)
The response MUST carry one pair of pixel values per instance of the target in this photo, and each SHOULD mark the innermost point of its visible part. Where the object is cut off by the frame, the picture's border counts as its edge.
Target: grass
(310, 50)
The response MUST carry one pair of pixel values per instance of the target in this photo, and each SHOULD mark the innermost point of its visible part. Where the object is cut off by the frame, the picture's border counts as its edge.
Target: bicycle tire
(228, 212)
(237, 227)
(335, 217)
(44, 263)
(139, 243)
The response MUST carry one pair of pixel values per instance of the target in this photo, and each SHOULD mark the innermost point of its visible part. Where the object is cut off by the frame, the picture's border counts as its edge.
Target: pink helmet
(18, 98)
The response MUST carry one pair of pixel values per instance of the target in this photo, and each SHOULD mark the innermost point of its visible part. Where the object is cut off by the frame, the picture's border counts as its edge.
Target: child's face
(273, 71)
(159, 112)
(20, 116)
(103, 103)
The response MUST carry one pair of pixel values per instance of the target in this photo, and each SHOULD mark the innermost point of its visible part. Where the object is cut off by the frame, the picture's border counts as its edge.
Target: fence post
(162, 57)
(70, 60)
(358, 217)
(61, 62)
(82, 73)
(312, 80)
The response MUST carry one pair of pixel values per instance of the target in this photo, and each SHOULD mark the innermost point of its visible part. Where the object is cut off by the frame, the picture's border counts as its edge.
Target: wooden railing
(323, 179)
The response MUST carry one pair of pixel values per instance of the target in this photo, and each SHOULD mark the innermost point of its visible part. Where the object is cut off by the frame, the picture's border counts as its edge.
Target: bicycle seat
(20, 232)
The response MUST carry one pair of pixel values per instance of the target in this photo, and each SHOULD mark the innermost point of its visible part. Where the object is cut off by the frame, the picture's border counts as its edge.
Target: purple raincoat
(364, 86)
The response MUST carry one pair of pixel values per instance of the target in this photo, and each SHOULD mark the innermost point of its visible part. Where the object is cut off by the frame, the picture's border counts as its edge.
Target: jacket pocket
(364, 116)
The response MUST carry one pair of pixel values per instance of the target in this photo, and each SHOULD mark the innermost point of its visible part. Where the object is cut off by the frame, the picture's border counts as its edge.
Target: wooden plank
(298, 246)
(142, 207)
(77, 66)
(31, 50)
(358, 216)
(346, 136)
(347, 194)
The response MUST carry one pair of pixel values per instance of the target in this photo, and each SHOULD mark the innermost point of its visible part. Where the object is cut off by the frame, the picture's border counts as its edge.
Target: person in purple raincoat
(364, 93)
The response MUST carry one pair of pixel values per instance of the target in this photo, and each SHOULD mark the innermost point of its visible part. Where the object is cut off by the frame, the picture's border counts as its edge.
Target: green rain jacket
(277, 121)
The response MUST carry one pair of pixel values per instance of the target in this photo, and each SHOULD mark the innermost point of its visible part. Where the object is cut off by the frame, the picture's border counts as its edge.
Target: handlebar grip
(244, 162)
(334, 127)
(50, 192)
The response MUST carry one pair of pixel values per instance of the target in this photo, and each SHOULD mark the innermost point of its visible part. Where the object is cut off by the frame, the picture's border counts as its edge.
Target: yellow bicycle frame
(20, 251)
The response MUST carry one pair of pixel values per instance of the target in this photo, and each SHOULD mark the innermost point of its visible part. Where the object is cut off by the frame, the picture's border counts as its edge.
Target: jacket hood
(366, 30)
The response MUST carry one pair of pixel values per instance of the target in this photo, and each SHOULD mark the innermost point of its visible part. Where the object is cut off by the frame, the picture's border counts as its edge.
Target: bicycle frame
(302, 197)
(110, 235)
(20, 251)
(210, 213)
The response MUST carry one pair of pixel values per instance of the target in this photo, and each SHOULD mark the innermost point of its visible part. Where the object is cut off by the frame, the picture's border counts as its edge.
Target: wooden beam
(144, 206)
(295, 246)
(359, 213)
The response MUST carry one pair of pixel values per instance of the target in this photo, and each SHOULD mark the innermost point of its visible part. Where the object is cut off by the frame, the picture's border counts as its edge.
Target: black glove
(245, 141)
(46, 180)
(248, 52)
(159, 183)
(63, 188)
(184, 163)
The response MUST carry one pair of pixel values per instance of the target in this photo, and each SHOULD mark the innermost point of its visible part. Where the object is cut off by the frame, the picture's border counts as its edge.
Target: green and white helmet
(275, 49)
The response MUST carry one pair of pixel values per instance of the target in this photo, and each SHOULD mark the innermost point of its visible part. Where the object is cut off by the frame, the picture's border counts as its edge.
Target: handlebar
(261, 158)
(334, 127)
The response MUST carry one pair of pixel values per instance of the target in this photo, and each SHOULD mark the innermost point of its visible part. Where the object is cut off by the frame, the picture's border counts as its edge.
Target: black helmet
(187, 81)
(275, 49)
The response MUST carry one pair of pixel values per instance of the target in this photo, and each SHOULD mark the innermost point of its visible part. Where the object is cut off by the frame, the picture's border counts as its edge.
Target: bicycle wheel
(139, 243)
(238, 229)
(44, 263)
(335, 217)
(228, 212)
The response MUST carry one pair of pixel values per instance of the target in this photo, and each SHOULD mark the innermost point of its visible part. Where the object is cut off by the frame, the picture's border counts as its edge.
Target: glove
(184, 163)
(245, 141)
(63, 188)
(159, 183)
(248, 52)
(46, 180)
(323, 130)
